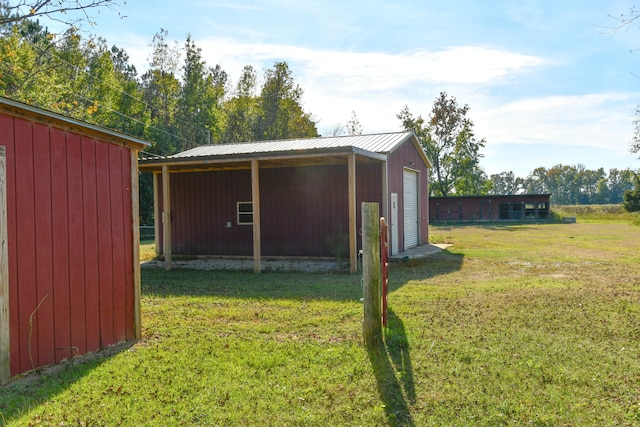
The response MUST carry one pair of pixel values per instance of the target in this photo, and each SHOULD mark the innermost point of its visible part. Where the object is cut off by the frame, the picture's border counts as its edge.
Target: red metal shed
(69, 268)
(513, 207)
(284, 198)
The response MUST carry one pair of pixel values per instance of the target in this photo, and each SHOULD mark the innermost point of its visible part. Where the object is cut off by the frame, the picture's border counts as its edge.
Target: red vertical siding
(25, 245)
(70, 243)
(91, 241)
(117, 287)
(201, 204)
(105, 243)
(78, 257)
(300, 208)
(480, 208)
(407, 155)
(368, 189)
(60, 224)
(43, 313)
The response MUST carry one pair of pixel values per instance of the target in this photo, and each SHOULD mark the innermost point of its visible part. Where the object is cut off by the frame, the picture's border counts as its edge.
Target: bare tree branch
(624, 20)
(12, 11)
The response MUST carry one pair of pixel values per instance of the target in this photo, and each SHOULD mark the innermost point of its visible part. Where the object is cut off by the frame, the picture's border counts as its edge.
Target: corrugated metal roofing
(378, 143)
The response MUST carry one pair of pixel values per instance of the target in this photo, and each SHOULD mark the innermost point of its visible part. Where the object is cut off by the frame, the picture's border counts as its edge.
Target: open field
(597, 213)
(512, 325)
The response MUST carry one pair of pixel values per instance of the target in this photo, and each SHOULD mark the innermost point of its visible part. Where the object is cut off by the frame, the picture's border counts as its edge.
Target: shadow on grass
(391, 363)
(243, 284)
(443, 262)
(37, 387)
(288, 285)
(515, 227)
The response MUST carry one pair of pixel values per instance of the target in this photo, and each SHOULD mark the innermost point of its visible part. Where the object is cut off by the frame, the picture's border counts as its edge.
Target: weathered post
(166, 217)
(5, 371)
(372, 325)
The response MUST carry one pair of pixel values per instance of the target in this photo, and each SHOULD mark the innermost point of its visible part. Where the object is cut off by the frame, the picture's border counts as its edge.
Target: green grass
(512, 325)
(596, 213)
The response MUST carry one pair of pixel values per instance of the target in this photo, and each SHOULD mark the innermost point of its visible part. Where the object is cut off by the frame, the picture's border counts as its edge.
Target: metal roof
(378, 143)
(319, 150)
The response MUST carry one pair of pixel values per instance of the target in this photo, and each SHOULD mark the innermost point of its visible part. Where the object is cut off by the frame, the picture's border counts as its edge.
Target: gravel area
(268, 264)
(313, 265)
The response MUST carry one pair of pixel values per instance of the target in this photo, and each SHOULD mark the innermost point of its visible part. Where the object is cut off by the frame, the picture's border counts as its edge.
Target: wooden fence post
(166, 217)
(5, 355)
(255, 203)
(372, 325)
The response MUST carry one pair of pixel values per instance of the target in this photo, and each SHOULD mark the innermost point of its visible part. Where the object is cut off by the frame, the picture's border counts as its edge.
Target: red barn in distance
(286, 197)
(514, 207)
(69, 230)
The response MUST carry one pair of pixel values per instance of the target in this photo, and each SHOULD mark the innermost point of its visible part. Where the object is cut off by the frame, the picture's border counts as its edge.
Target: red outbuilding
(512, 207)
(288, 197)
(69, 270)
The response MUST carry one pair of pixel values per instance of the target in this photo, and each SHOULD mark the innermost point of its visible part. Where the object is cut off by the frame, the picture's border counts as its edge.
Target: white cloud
(592, 120)
(353, 71)
(374, 84)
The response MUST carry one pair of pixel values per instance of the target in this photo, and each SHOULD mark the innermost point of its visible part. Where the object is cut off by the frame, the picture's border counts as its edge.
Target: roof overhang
(293, 158)
(49, 118)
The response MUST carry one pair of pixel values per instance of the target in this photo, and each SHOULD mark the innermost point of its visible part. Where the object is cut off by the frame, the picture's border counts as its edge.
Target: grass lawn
(512, 325)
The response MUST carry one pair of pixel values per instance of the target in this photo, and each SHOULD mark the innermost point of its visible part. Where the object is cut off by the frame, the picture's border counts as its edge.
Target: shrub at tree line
(632, 197)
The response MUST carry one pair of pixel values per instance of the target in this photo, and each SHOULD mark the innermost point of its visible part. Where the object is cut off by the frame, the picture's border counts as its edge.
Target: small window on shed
(530, 210)
(543, 210)
(245, 213)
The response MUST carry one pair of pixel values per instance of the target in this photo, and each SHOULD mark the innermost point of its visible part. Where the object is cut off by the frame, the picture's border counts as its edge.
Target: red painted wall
(299, 208)
(202, 203)
(407, 156)
(71, 273)
(483, 208)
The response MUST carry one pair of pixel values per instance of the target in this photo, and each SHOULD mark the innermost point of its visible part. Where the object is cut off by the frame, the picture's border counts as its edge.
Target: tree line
(178, 103)
(569, 185)
(448, 139)
(181, 102)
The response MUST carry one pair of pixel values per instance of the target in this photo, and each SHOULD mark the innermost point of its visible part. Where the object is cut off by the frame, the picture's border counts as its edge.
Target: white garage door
(410, 202)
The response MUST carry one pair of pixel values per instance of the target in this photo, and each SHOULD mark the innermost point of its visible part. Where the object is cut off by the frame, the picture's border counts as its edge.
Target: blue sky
(545, 81)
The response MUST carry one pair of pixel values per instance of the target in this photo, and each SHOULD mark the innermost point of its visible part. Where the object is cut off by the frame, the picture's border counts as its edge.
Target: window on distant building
(504, 211)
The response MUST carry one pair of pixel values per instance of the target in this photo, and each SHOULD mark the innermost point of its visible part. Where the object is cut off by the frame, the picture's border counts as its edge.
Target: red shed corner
(288, 197)
(69, 265)
(514, 207)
